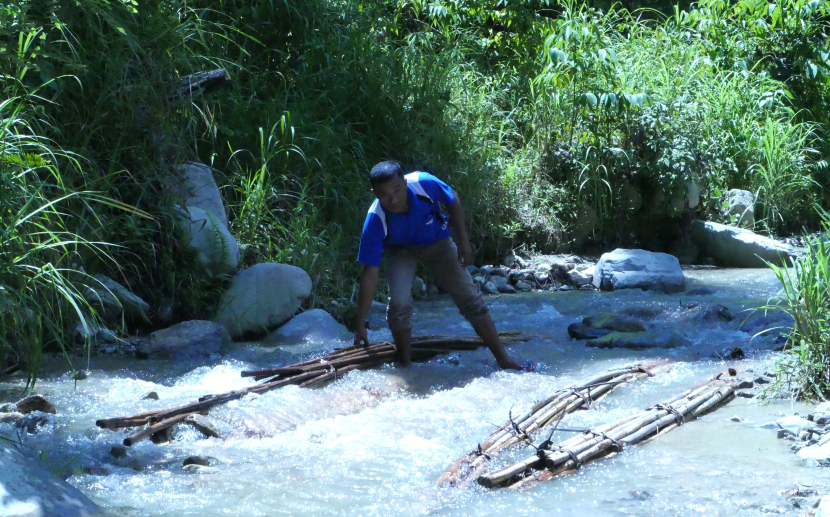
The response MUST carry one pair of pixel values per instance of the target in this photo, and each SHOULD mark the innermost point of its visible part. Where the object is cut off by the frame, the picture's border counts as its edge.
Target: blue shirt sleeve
(371, 241)
(437, 189)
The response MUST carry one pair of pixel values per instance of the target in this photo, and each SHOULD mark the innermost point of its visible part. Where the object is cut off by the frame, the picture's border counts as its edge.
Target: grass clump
(804, 370)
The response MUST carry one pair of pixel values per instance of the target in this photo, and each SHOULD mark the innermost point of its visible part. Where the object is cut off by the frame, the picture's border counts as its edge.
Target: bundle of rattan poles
(568, 456)
(543, 413)
(304, 374)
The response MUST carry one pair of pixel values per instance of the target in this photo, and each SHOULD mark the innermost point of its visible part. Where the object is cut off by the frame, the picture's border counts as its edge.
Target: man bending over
(406, 222)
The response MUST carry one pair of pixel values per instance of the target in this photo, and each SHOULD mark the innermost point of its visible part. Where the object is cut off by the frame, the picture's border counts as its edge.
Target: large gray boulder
(112, 299)
(29, 490)
(316, 325)
(216, 247)
(738, 247)
(262, 297)
(196, 186)
(741, 204)
(638, 269)
(196, 338)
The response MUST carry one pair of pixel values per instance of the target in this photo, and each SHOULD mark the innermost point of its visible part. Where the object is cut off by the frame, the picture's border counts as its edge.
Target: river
(375, 442)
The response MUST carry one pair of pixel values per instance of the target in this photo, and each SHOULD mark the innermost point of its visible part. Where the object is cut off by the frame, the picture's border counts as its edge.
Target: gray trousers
(441, 260)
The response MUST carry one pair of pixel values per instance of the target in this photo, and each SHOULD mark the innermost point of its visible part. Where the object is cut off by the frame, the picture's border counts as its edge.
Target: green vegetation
(804, 370)
(562, 125)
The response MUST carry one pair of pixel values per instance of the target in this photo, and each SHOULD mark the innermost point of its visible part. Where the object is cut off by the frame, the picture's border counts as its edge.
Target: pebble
(736, 418)
(81, 375)
(762, 380)
(743, 385)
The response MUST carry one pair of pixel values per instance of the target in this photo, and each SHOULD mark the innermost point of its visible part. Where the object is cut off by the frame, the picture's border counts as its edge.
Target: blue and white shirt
(422, 225)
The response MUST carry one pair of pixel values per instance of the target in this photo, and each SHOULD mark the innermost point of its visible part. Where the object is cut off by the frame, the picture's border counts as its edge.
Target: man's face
(392, 195)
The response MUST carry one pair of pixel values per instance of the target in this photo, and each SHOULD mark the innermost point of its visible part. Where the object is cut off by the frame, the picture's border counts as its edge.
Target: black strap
(616, 444)
(666, 407)
(571, 453)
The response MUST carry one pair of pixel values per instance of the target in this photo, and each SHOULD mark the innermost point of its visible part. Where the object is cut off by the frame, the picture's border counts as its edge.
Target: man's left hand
(465, 255)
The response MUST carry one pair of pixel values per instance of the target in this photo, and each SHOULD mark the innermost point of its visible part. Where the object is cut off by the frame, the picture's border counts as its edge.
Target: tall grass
(805, 369)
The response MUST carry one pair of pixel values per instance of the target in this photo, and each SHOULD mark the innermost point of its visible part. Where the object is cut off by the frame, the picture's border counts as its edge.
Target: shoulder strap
(413, 182)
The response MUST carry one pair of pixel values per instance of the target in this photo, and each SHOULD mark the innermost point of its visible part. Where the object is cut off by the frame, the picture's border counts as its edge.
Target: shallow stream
(375, 442)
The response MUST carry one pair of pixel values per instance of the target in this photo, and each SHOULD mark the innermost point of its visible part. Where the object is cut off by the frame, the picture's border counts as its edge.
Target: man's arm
(368, 288)
(459, 226)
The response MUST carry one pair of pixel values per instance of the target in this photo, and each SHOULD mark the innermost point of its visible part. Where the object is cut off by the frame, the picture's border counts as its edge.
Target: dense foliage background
(563, 125)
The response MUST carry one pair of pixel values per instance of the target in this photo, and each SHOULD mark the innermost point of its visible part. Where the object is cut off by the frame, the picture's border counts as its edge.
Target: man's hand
(360, 334)
(465, 254)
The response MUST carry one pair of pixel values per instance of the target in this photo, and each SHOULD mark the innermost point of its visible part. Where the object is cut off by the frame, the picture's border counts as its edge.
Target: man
(406, 222)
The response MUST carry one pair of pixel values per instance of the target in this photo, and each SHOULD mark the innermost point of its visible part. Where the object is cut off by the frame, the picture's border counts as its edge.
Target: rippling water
(375, 442)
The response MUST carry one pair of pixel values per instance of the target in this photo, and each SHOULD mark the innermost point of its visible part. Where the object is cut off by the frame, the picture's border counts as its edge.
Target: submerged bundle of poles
(307, 373)
(554, 460)
(543, 413)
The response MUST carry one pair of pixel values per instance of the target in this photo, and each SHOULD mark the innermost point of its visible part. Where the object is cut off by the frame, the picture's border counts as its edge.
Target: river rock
(741, 204)
(638, 269)
(315, 325)
(583, 331)
(263, 297)
(498, 272)
(498, 281)
(35, 403)
(216, 248)
(118, 451)
(489, 288)
(523, 286)
(507, 289)
(792, 423)
(738, 247)
(774, 320)
(195, 338)
(195, 184)
(112, 299)
(639, 340)
(204, 461)
(8, 408)
(204, 425)
(418, 287)
(150, 395)
(472, 270)
(717, 313)
(608, 321)
(582, 275)
(32, 422)
(10, 417)
(823, 508)
(32, 491)
(432, 290)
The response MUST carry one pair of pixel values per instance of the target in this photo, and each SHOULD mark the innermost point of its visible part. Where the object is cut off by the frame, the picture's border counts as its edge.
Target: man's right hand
(360, 335)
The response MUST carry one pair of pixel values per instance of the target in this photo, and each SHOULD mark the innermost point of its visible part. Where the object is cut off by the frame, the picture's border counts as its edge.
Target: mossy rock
(609, 321)
(639, 340)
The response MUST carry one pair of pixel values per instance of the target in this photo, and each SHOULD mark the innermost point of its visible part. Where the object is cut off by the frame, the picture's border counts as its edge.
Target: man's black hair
(385, 171)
